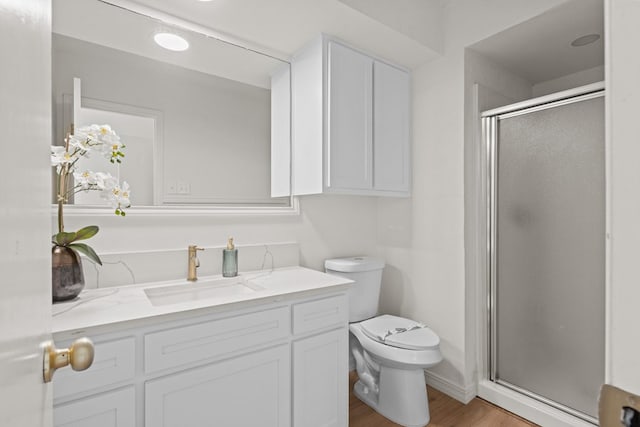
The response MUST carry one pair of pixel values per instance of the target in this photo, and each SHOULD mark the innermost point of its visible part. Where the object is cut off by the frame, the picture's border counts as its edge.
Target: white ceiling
(285, 26)
(540, 49)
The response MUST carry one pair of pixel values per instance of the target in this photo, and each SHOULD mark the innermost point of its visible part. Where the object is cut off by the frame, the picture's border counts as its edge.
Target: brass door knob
(79, 356)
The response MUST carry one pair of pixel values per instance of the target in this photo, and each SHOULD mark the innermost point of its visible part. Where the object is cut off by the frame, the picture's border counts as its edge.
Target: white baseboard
(458, 392)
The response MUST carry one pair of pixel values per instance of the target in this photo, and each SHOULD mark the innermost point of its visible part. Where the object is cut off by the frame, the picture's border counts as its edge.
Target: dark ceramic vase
(66, 273)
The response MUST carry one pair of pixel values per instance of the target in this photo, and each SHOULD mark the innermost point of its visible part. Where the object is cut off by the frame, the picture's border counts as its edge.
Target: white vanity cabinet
(281, 363)
(351, 116)
(320, 363)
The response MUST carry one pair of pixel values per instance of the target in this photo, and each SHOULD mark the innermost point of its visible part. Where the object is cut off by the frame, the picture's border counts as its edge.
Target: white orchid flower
(79, 141)
(111, 148)
(101, 138)
(105, 181)
(124, 196)
(60, 157)
(118, 197)
(89, 180)
(85, 179)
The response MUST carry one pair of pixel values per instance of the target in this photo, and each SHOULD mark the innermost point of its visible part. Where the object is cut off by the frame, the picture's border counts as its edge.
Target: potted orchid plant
(67, 275)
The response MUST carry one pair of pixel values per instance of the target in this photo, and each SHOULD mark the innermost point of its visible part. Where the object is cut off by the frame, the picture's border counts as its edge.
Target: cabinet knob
(79, 356)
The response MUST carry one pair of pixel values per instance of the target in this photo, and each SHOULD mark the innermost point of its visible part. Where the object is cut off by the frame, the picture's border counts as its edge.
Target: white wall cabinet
(281, 364)
(351, 116)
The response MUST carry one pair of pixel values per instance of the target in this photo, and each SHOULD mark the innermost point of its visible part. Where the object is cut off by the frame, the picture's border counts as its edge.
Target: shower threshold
(532, 407)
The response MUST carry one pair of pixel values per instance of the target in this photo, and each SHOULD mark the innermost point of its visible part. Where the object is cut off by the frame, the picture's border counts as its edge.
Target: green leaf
(87, 232)
(63, 238)
(86, 250)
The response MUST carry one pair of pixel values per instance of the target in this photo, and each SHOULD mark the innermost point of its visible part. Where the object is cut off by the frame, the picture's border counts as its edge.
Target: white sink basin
(202, 289)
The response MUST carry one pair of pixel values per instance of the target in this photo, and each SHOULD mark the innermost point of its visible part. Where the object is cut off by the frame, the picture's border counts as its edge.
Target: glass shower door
(548, 252)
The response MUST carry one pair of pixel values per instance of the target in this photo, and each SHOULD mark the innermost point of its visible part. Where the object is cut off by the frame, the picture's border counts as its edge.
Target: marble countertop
(115, 305)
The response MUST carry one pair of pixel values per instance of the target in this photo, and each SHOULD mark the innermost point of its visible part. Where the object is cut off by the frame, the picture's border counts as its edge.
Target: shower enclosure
(546, 248)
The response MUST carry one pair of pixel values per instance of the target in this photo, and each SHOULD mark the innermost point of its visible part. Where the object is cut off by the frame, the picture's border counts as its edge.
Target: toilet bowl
(390, 352)
(391, 376)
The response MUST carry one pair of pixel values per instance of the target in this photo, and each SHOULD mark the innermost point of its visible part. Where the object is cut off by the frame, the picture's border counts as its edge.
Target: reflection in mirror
(206, 126)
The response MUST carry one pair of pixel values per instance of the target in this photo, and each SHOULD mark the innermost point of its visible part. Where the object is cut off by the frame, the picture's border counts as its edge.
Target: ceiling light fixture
(585, 40)
(171, 41)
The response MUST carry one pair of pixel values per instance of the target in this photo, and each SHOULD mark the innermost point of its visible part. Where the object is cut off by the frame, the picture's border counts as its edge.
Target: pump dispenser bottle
(230, 260)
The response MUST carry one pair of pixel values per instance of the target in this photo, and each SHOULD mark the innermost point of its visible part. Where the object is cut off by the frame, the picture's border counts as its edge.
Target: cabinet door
(391, 128)
(251, 390)
(320, 380)
(349, 120)
(112, 409)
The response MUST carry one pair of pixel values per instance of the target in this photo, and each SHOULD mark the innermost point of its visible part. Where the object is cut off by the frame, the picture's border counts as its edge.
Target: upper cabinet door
(391, 128)
(349, 122)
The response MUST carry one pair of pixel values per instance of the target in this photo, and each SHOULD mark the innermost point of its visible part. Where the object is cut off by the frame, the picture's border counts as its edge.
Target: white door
(25, 211)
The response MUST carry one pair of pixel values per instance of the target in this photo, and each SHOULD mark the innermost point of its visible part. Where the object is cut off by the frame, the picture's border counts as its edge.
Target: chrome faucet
(194, 263)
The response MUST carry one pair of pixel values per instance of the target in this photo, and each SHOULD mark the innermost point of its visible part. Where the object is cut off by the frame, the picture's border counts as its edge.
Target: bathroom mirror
(205, 129)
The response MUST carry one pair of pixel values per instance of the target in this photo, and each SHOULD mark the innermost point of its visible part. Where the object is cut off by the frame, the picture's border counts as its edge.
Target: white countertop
(108, 306)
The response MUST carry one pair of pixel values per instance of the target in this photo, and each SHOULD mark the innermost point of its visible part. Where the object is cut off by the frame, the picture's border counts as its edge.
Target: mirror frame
(192, 210)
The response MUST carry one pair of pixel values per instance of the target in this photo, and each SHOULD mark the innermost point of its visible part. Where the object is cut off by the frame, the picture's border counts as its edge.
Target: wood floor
(445, 412)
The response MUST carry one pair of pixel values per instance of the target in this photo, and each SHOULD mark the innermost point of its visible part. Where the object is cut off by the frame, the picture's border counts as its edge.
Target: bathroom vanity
(266, 349)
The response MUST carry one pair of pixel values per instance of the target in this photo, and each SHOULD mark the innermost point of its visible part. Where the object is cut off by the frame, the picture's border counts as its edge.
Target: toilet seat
(400, 358)
(399, 332)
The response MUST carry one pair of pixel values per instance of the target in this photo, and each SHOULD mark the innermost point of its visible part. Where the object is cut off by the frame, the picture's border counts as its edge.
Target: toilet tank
(364, 294)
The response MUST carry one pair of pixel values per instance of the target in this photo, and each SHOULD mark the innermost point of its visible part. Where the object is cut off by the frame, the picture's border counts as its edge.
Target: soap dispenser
(230, 260)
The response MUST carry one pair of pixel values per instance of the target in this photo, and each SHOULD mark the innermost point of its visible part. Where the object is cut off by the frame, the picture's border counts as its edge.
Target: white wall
(419, 19)
(581, 78)
(329, 226)
(423, 239)
(623, 131)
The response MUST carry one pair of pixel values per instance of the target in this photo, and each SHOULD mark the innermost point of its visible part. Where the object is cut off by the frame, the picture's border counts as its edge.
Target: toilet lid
(400, 332)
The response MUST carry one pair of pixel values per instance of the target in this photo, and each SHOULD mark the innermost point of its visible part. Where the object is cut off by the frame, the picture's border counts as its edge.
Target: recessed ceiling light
(171, 41)
(585, 40)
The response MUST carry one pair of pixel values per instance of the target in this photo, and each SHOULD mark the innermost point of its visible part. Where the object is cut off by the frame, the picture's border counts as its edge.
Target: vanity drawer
(318, 314)
(114, 362)
(213, 339)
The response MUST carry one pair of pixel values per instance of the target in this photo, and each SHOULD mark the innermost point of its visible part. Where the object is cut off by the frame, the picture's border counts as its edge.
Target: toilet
(390, 352)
